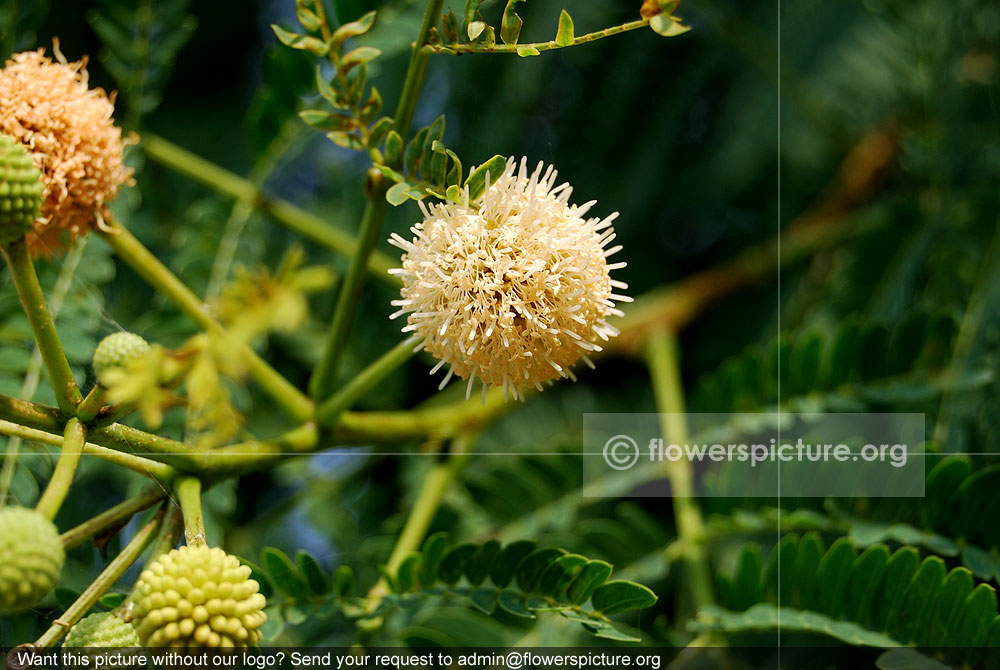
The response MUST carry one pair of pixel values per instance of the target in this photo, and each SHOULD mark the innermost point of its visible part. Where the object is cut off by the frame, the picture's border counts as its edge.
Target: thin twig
(528, 47)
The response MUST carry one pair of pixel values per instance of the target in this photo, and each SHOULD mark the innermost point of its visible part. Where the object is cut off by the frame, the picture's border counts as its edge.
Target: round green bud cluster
(31, 556)
(102, 629)
(21, 190)
(117, 350)
(198, 597)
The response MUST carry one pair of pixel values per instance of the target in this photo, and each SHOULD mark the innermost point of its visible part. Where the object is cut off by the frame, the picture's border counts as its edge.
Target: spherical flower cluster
(31, 556)
(513, 287)
(102, 629)
(196, 597)
(117, 350)
(68, 129)
(20, 190)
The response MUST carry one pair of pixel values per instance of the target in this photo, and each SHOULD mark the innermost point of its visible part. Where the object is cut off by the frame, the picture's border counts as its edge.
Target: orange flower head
(69, 131)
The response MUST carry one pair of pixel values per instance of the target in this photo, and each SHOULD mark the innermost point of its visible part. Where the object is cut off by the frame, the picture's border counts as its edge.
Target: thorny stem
(115, 569)
(32, 376)
(188, 490)
(664, 368)
(159, 471)
(62, 477)
(22, 270)
(160, 277)
(328, 412)
(322, 383)
(294, 218)
(425, 507)
(539, 46)
(112, 518)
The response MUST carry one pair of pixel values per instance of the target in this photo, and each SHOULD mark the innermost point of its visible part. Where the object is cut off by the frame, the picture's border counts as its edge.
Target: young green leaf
(513, 602)
(343, 577)
(433, 552)
(621, 596)
(305, 10)
(668, 26)
(282, 572)
(449, 27)
(479, 564)
(564, 35)
(408, 575)
(510, 25)
(323, 120)
(371, 108)
(455, 562)
(398, 194)
(301, 42)
(315, 577)
(352, 29)
(393, 149)
(591, 576)
(484, 599)
(361, 55)
(379, 130)
(475, 29)
(506, 561)
(476, 181)
(529, 570)
(346, 140)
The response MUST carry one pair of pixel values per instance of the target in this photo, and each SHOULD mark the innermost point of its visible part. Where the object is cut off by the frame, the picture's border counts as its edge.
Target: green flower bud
(103, 629)
(21, 190)
(31, 556)
(117, 350)
(198, 597)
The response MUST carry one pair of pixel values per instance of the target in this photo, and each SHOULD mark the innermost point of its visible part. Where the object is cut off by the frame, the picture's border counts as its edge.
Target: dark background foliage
(706, 143)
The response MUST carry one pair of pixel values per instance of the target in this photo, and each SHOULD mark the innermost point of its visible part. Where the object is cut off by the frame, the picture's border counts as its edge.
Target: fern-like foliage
(876, 597)
(140, 45)
(522, 580)
(861, 363)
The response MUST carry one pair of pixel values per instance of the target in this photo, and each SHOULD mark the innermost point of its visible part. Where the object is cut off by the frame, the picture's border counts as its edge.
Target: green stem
(662, 358)
(292, 217)
(416, 70)
(322, 383)
(160, 277)
(112, 518)
(114, 570)
(159, 471)
(188, 490)
(169, 535)
(538, 46)
(328, 412)
(62, 476)
(425, 507)
(22, 270)
(32, 376)
(91, 404)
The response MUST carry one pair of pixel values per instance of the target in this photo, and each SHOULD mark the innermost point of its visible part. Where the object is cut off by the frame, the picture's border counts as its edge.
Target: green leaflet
(868, 362)
(522, 580)
(876, 598)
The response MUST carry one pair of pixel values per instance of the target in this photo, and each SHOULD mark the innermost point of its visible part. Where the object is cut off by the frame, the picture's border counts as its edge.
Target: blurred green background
(705, 143)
